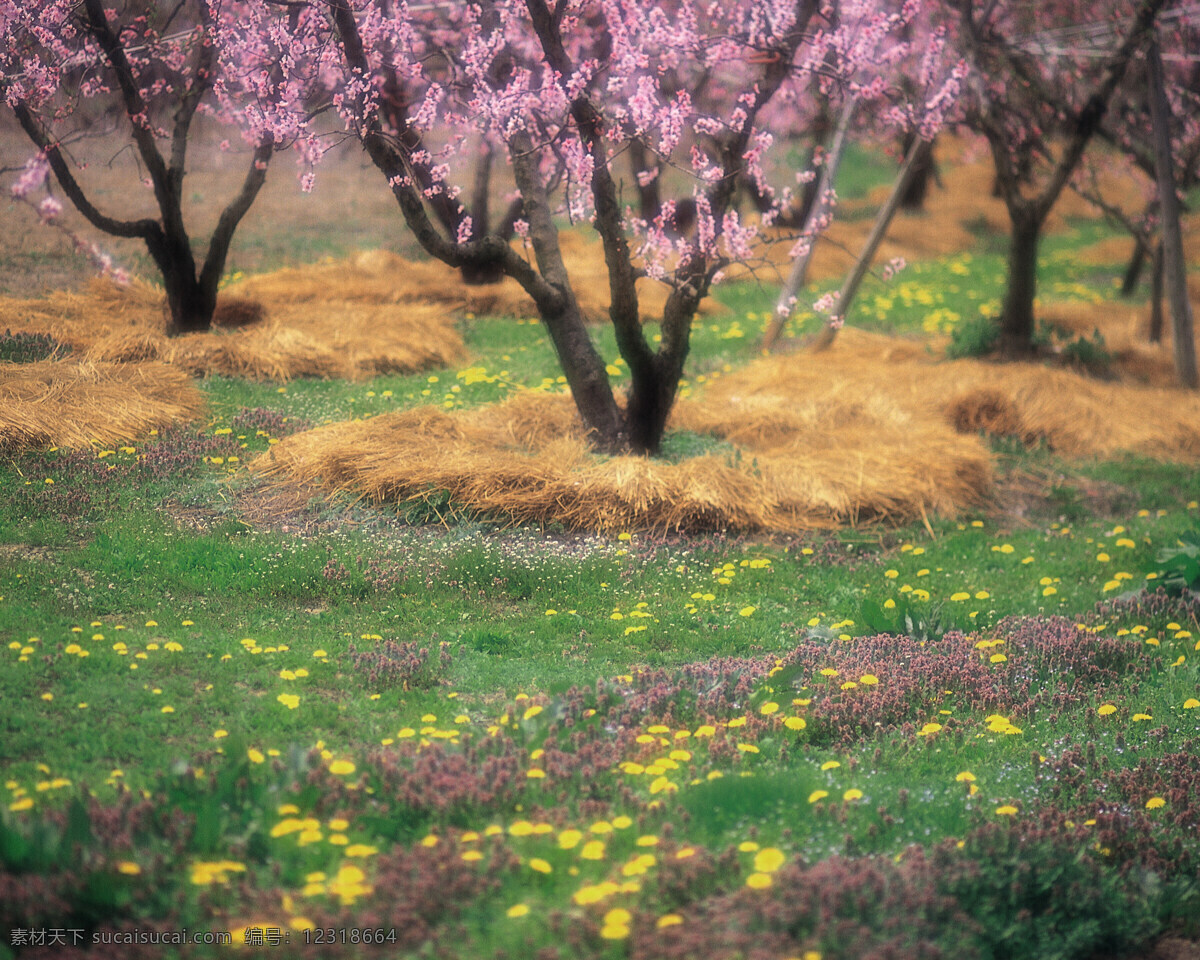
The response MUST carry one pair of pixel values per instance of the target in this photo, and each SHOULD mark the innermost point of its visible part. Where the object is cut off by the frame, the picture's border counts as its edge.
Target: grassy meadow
(336, 729)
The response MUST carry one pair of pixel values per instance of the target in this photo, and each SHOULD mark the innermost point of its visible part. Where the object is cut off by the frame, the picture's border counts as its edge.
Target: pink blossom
(32, 176)
(49, 209)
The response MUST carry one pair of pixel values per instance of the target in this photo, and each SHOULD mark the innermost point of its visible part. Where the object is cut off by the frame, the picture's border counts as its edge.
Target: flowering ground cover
(417, 732)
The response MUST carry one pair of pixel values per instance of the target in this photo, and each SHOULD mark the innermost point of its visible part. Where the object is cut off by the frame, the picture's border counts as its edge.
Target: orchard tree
(926, 86)
(1156, 124)
(161, 65)
(568, 88)
(1039, 112)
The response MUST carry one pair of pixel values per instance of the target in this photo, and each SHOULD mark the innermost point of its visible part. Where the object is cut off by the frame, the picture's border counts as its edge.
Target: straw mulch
(1125, 328)
(810, 463)
(874, 428)
(1072, 414)
(377, 276)
(279, 339)
(371, 314)
(68, 403)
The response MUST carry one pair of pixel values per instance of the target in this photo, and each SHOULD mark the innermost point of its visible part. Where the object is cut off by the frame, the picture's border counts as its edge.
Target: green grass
(225, 674)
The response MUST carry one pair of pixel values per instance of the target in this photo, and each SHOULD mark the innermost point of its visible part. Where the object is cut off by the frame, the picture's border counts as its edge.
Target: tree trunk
(879, 229)
(587, 378)
(1133, 272)
(647, 409)
(481, 274)
(799, 272)
(190, 303)
(1156, 295)
(577, 355)
(649, 197)
(913, 197)
(653, 389)
(1172, 240)
(1017, 319)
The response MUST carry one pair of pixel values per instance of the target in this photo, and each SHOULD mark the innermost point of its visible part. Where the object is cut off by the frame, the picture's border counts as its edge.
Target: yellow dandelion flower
(768, 860)
(592, 850)
(569, 839)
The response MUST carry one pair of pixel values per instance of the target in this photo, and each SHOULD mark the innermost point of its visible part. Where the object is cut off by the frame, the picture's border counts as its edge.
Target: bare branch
(62, 171)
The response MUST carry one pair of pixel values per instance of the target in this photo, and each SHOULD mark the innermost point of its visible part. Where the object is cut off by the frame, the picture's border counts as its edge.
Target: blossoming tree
(568, 88)
(1155, 123)
(1039, 108)
(162, 66)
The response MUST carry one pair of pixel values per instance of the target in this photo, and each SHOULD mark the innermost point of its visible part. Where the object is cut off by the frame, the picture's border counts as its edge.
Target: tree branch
(483, 252)
(1087, 121)
(231, 216)
(189, 101)
(623, 300)
(135, 107)
(142, 229)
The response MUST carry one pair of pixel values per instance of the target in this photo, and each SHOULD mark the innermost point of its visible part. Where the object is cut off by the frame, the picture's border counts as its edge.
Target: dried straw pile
(377, 276)
(346, 339)
(800, 465)
(68, 403)
(1073, 414)
(1125, 328)
(334, 335)
(874, 428)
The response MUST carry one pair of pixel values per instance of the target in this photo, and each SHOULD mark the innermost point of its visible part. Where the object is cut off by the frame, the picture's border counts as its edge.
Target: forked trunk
(649, 406)
(189, 304)
(190, 301)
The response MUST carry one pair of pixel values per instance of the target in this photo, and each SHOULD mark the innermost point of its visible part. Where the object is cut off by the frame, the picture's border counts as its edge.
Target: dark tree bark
(1017, 329)
(924, 173)
(1156, 295)
(1133, 271)
(1027, 213)
(1175, 266)
(191, 292)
